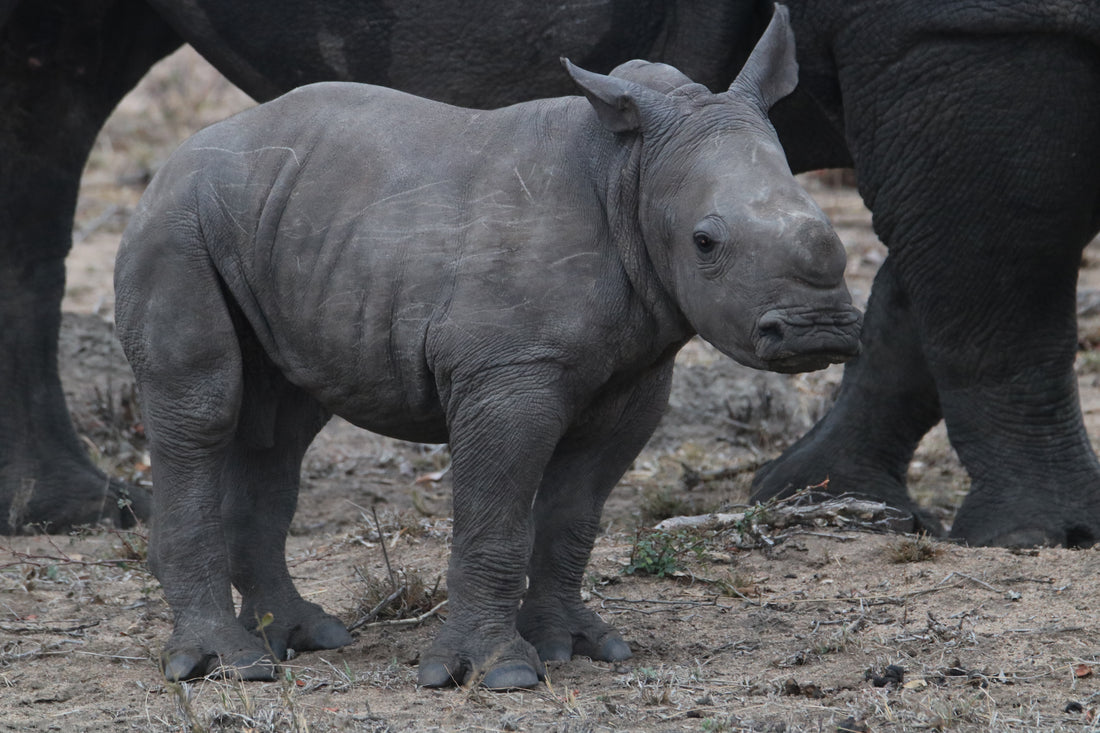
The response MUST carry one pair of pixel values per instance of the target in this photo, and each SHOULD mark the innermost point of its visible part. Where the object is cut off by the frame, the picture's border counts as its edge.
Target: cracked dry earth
(823, 627)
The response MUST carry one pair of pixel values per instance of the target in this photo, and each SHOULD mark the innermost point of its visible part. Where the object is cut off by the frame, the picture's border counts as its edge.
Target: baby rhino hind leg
(188, 366)
(227, 434)
(262, 479)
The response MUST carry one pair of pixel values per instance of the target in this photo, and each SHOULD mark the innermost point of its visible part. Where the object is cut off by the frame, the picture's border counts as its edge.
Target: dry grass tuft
(407, 595)
(920, 548)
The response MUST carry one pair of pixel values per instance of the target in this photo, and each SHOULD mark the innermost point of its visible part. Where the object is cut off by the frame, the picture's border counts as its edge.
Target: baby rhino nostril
(771, 331)
(769, 327)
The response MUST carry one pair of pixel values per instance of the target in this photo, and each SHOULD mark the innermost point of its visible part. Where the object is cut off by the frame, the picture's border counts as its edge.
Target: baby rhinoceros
(515, 282)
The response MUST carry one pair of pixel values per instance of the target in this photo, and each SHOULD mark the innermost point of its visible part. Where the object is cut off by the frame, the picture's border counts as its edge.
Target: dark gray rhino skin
(516, 282)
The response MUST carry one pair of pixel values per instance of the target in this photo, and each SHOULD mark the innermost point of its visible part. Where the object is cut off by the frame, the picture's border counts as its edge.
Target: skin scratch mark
(407, 192)
(579, 255)
(225, 207)
(524, 185)
(257, 150)
(549, 177)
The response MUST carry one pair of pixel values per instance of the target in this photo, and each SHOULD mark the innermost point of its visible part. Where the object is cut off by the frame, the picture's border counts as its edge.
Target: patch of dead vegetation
(920, 548)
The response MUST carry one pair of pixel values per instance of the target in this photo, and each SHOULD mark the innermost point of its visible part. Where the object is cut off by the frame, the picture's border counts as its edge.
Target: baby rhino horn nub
(771, 72)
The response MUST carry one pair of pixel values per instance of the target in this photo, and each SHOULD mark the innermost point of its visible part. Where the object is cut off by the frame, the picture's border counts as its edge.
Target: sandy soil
(741, 628)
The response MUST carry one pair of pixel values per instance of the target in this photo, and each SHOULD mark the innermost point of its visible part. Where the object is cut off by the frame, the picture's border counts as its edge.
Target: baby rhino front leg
(502, 437)
(588, 463)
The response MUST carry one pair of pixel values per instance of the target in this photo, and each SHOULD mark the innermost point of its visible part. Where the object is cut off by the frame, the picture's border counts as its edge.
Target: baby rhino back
(374, 242)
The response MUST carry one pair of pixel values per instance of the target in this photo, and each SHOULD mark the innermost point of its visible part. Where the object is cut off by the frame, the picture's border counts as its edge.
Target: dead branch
(844, 511)
(62, 558)
(33, 629)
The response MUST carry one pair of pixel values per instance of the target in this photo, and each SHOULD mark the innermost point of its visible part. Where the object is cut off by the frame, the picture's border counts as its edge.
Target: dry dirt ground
(824, 627)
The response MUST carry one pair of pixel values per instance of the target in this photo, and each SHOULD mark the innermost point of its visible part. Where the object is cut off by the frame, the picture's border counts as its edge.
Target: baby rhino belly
(373, 375)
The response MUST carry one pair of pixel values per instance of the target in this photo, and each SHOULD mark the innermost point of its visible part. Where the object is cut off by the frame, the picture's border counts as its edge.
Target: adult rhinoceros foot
(455, 659)
(834, 467)
(53, 486)
(1001, 517)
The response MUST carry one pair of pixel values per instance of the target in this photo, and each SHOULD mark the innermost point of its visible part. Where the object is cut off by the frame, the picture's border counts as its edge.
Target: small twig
(111, 656)
(674, 606)
(44, 650)
(382, 543)
(642, 611)
(858, 624)
(842, 511)
(971, 579)
(1043, 630)
(88, 229)
(602, 597)
(825, 535)
(1025, 579)
(374, 612)
(870, 600)
(312, 555)
(409, 621)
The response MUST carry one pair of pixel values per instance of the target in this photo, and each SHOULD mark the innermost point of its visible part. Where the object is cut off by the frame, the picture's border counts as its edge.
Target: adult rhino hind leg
(887, 402)
(985, 195)
(63, 70)
(588, 462)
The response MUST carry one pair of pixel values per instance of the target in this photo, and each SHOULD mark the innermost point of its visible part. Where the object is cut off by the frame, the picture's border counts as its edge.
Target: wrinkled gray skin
(516, 282)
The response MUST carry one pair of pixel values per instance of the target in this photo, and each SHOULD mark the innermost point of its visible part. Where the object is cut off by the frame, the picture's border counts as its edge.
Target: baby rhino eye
(703, 242)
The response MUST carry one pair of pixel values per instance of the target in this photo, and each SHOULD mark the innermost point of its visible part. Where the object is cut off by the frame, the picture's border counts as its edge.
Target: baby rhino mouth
(805, 339)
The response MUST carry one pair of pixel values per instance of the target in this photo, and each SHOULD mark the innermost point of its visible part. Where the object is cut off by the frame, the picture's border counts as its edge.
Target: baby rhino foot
(457, 658)
(230, 652)
(301, 626)
(561, 630)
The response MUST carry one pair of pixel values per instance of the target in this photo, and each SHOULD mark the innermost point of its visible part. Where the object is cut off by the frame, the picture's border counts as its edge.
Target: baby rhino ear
(771, 72)
(621, 105)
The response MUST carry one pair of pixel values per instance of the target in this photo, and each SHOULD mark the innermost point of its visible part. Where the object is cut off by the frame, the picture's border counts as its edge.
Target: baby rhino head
(748, 257)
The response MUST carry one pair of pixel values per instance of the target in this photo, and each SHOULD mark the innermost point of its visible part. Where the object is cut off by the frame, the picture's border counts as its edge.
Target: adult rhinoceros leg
(887, 402)
(588, 462)
(64, 67)
(978, 158)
